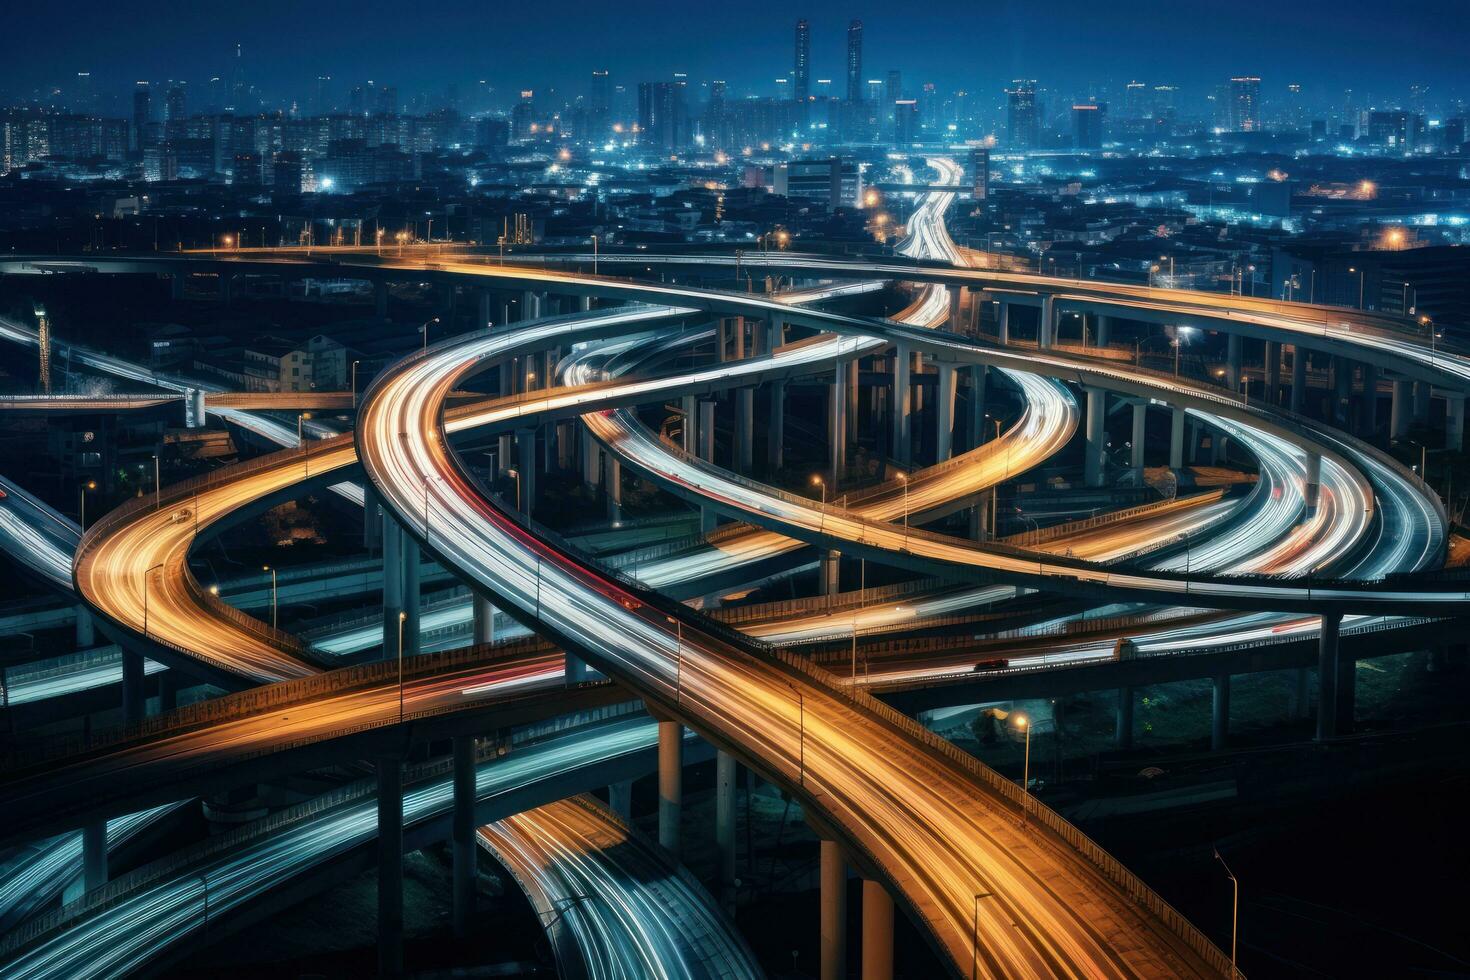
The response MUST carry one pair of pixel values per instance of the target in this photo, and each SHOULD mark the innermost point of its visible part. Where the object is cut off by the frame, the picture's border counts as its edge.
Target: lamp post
(904, 479)
(402, 617)
(1361, 277)
(82, 493)
(1023, 723)
(821, 484)
(354, 385)
(157, 485)
(301, 441)
(1234, 912)
(594, 255)
(268, 568)
(425, 330)
(678, 656)
(513, 472)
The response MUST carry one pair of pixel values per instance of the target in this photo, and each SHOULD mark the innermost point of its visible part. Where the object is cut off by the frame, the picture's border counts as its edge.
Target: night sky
(423, 46)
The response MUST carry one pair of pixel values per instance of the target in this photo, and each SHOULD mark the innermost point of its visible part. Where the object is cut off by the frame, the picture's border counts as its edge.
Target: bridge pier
(1401, 409)
(464, 834)
(1123, 729)
(390, 866)
(956, 295)
(1421, 401)
(620, 799)
(484, 317)
(1272, 366)
(1104, 330)
(708, 517)
(169, 683)
(670, 783)
(94, 855)
(877, 931)
(837, 425)
(1298, 378)
(198, 415)
(1327, 677)
(1097, 400)
(483, 617)
(776, 433)
(1312, 488)
(410, 567)
(829, 571)
(1046, 327)
(1140, 430)
(86, 633)
(744, 430)
(134, 696)
(1369, 413)
(944, 414)
(526, 467)
(978, 379)
(1454, 423)
(1220, 712)
(1003, 322)
(833, 879)
(1176, 439)
(614, 487)
(725, 774)
(902, 403)
(591, 461)
(1233, 362)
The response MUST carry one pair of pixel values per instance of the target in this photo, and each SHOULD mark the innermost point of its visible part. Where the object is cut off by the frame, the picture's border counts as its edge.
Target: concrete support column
(1232, 361)
(483, 614)
(1454, 423)
(591, 459)
(1003, 322)
(620, 799)
(833, 876)
(1176, 439)
(532, 303)
(725, 771)
(955, 299)
(708, 518)
(690, 433)
(1140, 428)
(1123, 730)
(1313, 483)
(902, 402)
(464, 834)
(1046, 328)
(978, 376)
(1104, 330)
(526, 467)
(1298, 377)
(134, 696)
(837, 425)
(944, 414)
(1401, 409)
(614, 487)
(877, 932)
(1273, 372)
(744, 430)
(1421, 401)
(1369, 414)
(94, 855)
(829, 571)
(1327, 673)
(670, 784)
(390, 866)
(776, 436)
(484, 313)
(411, 622)
(198, 411)
(392, 585)
(854, 394)
(1220, 712)
(1097, 400)
(86, 632)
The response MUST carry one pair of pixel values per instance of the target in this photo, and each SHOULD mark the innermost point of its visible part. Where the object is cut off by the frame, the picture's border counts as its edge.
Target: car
(994, 663)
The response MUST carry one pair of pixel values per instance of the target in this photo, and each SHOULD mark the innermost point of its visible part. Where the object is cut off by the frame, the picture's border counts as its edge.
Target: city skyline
(1072, 50)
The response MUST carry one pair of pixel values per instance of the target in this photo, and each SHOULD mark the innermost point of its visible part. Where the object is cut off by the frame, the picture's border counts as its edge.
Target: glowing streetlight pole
(268, 568)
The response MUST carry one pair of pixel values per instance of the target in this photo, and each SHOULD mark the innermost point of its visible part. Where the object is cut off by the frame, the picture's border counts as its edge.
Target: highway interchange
(928, 827)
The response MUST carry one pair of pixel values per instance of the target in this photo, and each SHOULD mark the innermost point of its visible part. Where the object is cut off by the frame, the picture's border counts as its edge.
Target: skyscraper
(174, 111)
(599, 104)
(1023, 116)
(1087, 125)
(142, 112)
(1245, 104)
(662, 119)
(801, 89)
(905, 121)
(84, 100)
(894, 90)
(980, 173)
(855, 61)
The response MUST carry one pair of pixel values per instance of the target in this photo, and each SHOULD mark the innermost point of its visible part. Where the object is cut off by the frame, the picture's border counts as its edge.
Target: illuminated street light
(268, 568)
(1023, 723)
(82, 511)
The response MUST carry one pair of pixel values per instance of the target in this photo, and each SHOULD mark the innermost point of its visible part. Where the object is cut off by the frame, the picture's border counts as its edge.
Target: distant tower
(855, 61)
(802, 66)
(43, 333)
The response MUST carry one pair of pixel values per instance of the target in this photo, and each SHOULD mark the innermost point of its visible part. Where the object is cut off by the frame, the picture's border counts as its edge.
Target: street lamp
(82, 493)
(513, 472)
(301, 441)
(594, 255)
(402, 617)
(1023, 723)
(354, 383)
(1234, 913)
(818, 482)
(1361, 275)
(268, 568)
(157, 486)
(147, 572)
(904, 479)
(425, 330)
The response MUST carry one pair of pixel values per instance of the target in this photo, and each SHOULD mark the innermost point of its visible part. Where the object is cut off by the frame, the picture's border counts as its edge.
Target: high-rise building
(905, 121)
(1087, 125)
(662, 115)
(801, 69)
(979, 173)
(84, 99)
(716, 121)
(239, 89)
(855, 61)
(809, 180)
(142, 113)
(323, 95)
(174, 111)
(523, 116)
(1023, 114)
(894, 90)
(1245, 104)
